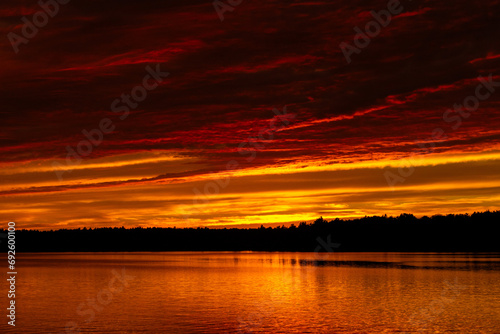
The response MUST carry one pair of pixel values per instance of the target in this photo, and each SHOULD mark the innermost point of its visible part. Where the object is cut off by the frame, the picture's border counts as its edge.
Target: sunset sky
(347, 126)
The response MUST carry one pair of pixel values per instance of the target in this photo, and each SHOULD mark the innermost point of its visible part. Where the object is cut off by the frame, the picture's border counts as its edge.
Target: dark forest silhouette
(450, 233)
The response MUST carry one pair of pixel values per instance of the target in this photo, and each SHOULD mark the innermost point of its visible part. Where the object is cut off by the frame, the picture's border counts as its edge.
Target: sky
(198, 113)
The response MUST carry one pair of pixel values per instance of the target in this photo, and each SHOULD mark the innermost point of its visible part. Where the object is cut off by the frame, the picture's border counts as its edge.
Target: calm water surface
(226, 292)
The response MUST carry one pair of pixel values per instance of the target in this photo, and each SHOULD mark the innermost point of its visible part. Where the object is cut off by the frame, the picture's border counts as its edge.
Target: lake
(256, 292)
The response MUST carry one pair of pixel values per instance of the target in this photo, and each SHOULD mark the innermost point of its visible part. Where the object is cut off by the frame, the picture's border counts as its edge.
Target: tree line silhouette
(439, 233)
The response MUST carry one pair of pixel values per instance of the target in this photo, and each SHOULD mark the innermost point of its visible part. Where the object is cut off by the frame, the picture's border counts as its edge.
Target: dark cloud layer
(225, 79)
